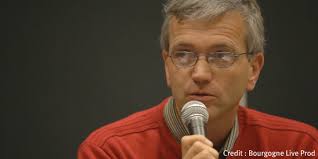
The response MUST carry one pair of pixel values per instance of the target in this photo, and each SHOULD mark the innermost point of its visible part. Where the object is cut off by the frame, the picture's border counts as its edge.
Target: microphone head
(194, 109)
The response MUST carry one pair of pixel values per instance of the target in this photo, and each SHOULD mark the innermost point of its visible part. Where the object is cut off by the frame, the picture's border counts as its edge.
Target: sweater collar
(178, 129)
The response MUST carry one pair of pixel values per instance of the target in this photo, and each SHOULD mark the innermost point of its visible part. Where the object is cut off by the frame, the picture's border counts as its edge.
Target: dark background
(73, 66)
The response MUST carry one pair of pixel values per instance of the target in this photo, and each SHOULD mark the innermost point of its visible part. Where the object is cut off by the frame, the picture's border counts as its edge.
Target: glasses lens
(184, 58)
(221, 59)
(217, 59)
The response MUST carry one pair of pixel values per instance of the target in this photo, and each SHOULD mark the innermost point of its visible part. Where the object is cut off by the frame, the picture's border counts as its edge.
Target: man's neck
(219, 129)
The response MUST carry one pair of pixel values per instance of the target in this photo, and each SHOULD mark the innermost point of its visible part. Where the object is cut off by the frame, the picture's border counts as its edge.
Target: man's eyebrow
(222, 46)
(182, 45)
(213, 47)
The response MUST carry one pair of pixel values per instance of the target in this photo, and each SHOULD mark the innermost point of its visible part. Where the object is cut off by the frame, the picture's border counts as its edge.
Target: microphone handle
(196, 126)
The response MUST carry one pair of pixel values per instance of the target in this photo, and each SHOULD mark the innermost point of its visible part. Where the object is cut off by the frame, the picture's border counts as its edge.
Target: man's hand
(197, 147)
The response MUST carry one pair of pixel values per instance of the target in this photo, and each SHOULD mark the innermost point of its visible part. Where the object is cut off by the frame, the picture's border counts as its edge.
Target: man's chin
(218, 111)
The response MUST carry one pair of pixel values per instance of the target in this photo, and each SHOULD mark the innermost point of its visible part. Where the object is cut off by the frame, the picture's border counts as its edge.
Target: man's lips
(201, 96)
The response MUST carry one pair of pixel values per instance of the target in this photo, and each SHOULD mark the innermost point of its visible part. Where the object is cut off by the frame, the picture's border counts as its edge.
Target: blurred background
(73, 66)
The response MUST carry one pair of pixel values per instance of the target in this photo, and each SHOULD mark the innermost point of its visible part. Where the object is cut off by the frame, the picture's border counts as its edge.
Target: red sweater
(144, 135)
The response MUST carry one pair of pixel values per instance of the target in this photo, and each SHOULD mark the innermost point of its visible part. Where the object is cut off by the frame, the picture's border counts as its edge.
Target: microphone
(195, 116)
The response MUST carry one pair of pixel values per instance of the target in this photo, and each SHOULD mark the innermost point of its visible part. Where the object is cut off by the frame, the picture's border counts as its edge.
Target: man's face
(220, 89)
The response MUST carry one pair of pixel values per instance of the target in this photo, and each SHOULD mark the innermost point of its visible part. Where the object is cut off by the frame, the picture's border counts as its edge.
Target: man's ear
(165, 56)
(256, 65)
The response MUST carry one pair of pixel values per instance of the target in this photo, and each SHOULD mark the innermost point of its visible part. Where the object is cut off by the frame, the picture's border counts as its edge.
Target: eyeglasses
(185, 59)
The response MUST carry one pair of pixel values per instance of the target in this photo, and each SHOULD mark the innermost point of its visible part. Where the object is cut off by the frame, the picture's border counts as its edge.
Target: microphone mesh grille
(194, 109)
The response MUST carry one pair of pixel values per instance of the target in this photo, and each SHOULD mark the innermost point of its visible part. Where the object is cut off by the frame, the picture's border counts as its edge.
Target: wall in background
(72, 66)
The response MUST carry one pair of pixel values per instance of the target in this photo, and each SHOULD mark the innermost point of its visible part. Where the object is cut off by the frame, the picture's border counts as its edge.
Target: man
(212, 52)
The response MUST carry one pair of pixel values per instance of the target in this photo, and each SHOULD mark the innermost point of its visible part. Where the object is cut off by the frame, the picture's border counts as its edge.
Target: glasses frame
(234, 55)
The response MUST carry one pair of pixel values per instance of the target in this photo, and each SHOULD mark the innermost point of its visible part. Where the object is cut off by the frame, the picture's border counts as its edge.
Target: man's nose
(202, 72)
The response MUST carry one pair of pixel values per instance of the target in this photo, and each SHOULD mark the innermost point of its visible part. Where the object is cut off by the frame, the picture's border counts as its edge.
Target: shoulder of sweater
(253, 118)
(135, 123)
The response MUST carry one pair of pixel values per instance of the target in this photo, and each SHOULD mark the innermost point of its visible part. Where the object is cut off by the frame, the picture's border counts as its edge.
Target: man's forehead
(231, 17)
(231, 25)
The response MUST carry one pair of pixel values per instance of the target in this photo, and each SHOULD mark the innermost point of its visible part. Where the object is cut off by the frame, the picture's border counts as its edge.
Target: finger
(206, 154)
(194, 149)
(214, 152)
(188, 141)
(199, 147)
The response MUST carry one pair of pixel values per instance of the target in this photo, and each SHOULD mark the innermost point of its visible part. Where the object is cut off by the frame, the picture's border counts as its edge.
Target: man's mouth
(201, 96)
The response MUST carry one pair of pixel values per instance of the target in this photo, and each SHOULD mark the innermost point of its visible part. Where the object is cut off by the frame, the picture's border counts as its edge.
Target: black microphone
(195, 116)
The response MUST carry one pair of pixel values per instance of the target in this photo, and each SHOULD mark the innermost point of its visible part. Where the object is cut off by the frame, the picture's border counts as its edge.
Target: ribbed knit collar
(178, 129)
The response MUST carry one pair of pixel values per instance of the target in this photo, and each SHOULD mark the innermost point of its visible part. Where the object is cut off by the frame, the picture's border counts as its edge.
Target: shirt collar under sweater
(178, 129)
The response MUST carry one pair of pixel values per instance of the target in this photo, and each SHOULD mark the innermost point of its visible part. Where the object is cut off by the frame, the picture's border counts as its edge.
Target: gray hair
(208, 9)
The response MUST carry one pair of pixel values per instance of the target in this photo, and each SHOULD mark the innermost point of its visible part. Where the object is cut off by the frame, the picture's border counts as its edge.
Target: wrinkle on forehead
(230, 26)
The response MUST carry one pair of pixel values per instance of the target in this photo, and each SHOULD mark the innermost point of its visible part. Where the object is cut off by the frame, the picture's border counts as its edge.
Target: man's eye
(221, 56)
(179, 54)
(182, 54)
